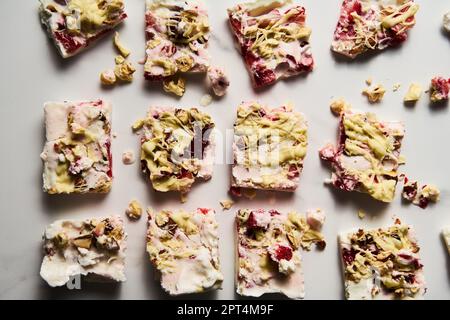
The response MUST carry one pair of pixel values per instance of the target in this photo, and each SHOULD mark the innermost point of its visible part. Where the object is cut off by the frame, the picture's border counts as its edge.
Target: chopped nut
(206, 100)
(124, 71)
(108, 243)
(184, 63)
(361, 214)
(123, 51)
(175, 86)
(161, 219)
(375, 93)
(108, 78)
(119, 59)
(226, 204)
(128, 157)
(83, 241)
(134, 210)
(339, 105)
(61, 240)
(396, 86)
(369, 81)
(138, 125)
(414, 93)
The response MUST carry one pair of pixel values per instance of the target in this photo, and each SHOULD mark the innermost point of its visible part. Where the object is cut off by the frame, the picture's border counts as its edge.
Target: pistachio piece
(84, 241)
(108, 78)
(61, 240)
(120, 47)
(134, 210)
(124, 71)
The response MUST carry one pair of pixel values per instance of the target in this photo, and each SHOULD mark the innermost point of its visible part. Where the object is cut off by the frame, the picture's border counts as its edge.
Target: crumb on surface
(206, 100)
(339, 105)
(134, 210)
(414, 93)
(375, 93)
(119, 46)
(396, 87)
(128, 157)
(177, 86)
(124, 70)
(361, 214)
(226, 204)
(108, 77)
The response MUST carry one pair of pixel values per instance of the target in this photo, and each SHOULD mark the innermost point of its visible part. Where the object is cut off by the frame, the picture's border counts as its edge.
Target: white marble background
(32, 72)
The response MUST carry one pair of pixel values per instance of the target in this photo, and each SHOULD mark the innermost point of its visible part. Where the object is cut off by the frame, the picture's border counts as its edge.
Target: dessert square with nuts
(92, 247)
(184, 249)
(77, 155)
(74, 25)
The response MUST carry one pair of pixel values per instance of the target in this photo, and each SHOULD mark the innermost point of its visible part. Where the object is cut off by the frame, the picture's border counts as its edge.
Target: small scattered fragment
(446, 22)
(339, 106)
(74, 25)
(375, 93)
(315, 219)
(124, 69)
(269, 147)
(184, 248)
(414, 93)
(372, 25)
(77, 154)
(206, 100)
(396, 87)
(273, 39)
(382, 264)
(128, 157)
(268, 252)
(361, 214)
(439, 89)
(419, 195)
(367, 156)
(134, 210)
(124, 52)
(177, 86)
(108, 78)
(369, 81)
(177, 147)
(446, 236)
(226, 204)
(93, 247)
(217, 81)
